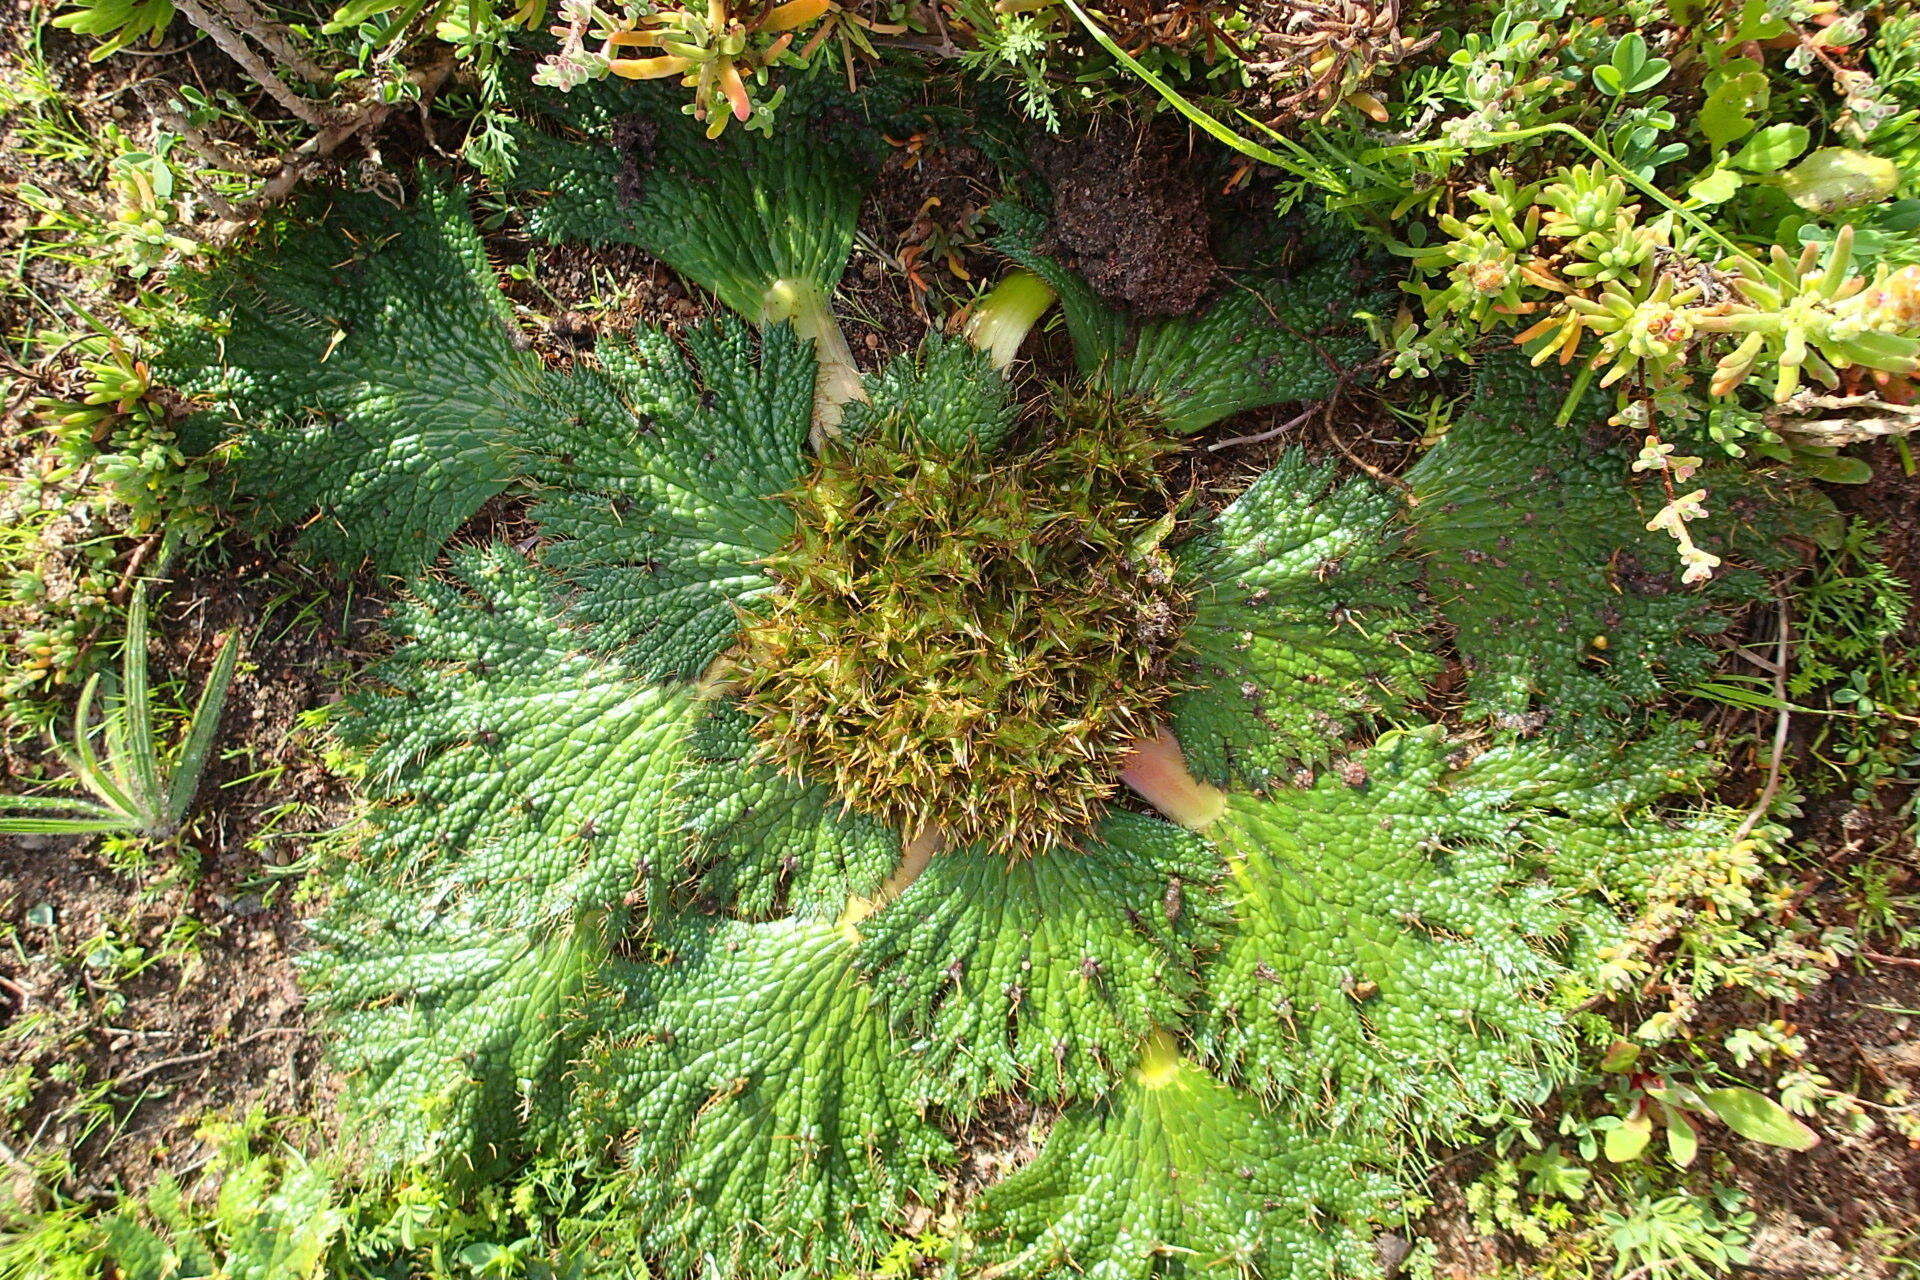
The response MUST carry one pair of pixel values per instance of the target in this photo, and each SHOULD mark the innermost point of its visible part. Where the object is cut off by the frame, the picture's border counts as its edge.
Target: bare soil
(1817, 1213)
(138, 997)
(1129, 216)
(1851, 1205)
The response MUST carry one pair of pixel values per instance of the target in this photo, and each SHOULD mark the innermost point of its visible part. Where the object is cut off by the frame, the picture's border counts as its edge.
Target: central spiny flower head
(971, 638)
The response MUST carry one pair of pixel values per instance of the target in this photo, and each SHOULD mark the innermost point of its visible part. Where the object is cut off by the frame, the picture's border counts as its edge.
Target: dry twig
(187, 1059)
(251, 62)
(321, 146)
(1780, 725)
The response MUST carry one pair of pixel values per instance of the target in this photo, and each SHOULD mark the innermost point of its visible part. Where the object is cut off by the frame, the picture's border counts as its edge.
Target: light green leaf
(1176, 1176)
(775, 1123)
(1047, 972)
(1620, 1056)
(1837, 469)
(1835, 179)
(1737, 92)
(287, 1234)
(1683, 1141)
(1717, 186)
(1754, 1115)
(1772, 148)
(1384, 960)
(1303, 624)
(1631, 69)
(1627, 1140)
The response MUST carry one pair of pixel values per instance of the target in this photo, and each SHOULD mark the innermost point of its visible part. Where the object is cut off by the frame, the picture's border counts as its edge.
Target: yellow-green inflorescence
(971, 639)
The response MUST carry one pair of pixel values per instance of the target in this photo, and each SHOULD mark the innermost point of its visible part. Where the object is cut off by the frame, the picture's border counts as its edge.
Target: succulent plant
(1805, 317)
(1651, 325)
(715, 51)
(1487, 257)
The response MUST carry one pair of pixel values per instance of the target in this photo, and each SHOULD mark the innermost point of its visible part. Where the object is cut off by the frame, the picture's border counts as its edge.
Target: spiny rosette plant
(848, 754)
(966, 639)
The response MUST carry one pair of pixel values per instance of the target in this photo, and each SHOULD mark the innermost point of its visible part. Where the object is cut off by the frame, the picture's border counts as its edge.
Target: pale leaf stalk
(1158, 773)
(1159, 1062)
(1002, 320)
(916, 855)
(804, 305)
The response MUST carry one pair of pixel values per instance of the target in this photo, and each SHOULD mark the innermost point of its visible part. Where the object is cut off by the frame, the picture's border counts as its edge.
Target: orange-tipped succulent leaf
(649, 68)
(792, 15)
(735, 89)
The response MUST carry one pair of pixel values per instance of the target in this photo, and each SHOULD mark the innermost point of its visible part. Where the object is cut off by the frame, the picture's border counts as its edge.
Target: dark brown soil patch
(1129, 217)
(1863, 1033)
(1890, 500)
(920, 249)
(111, 1069)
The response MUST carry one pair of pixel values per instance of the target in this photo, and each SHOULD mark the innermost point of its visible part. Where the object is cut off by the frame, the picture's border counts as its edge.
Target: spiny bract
(594, 916)
(964, 639)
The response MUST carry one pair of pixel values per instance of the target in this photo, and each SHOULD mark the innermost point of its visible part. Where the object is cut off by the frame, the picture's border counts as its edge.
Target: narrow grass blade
(87, 765)
(200, 732)
(1312, 172)
(136, 707)
(43, 803)
(80, 816)
(61, 826)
